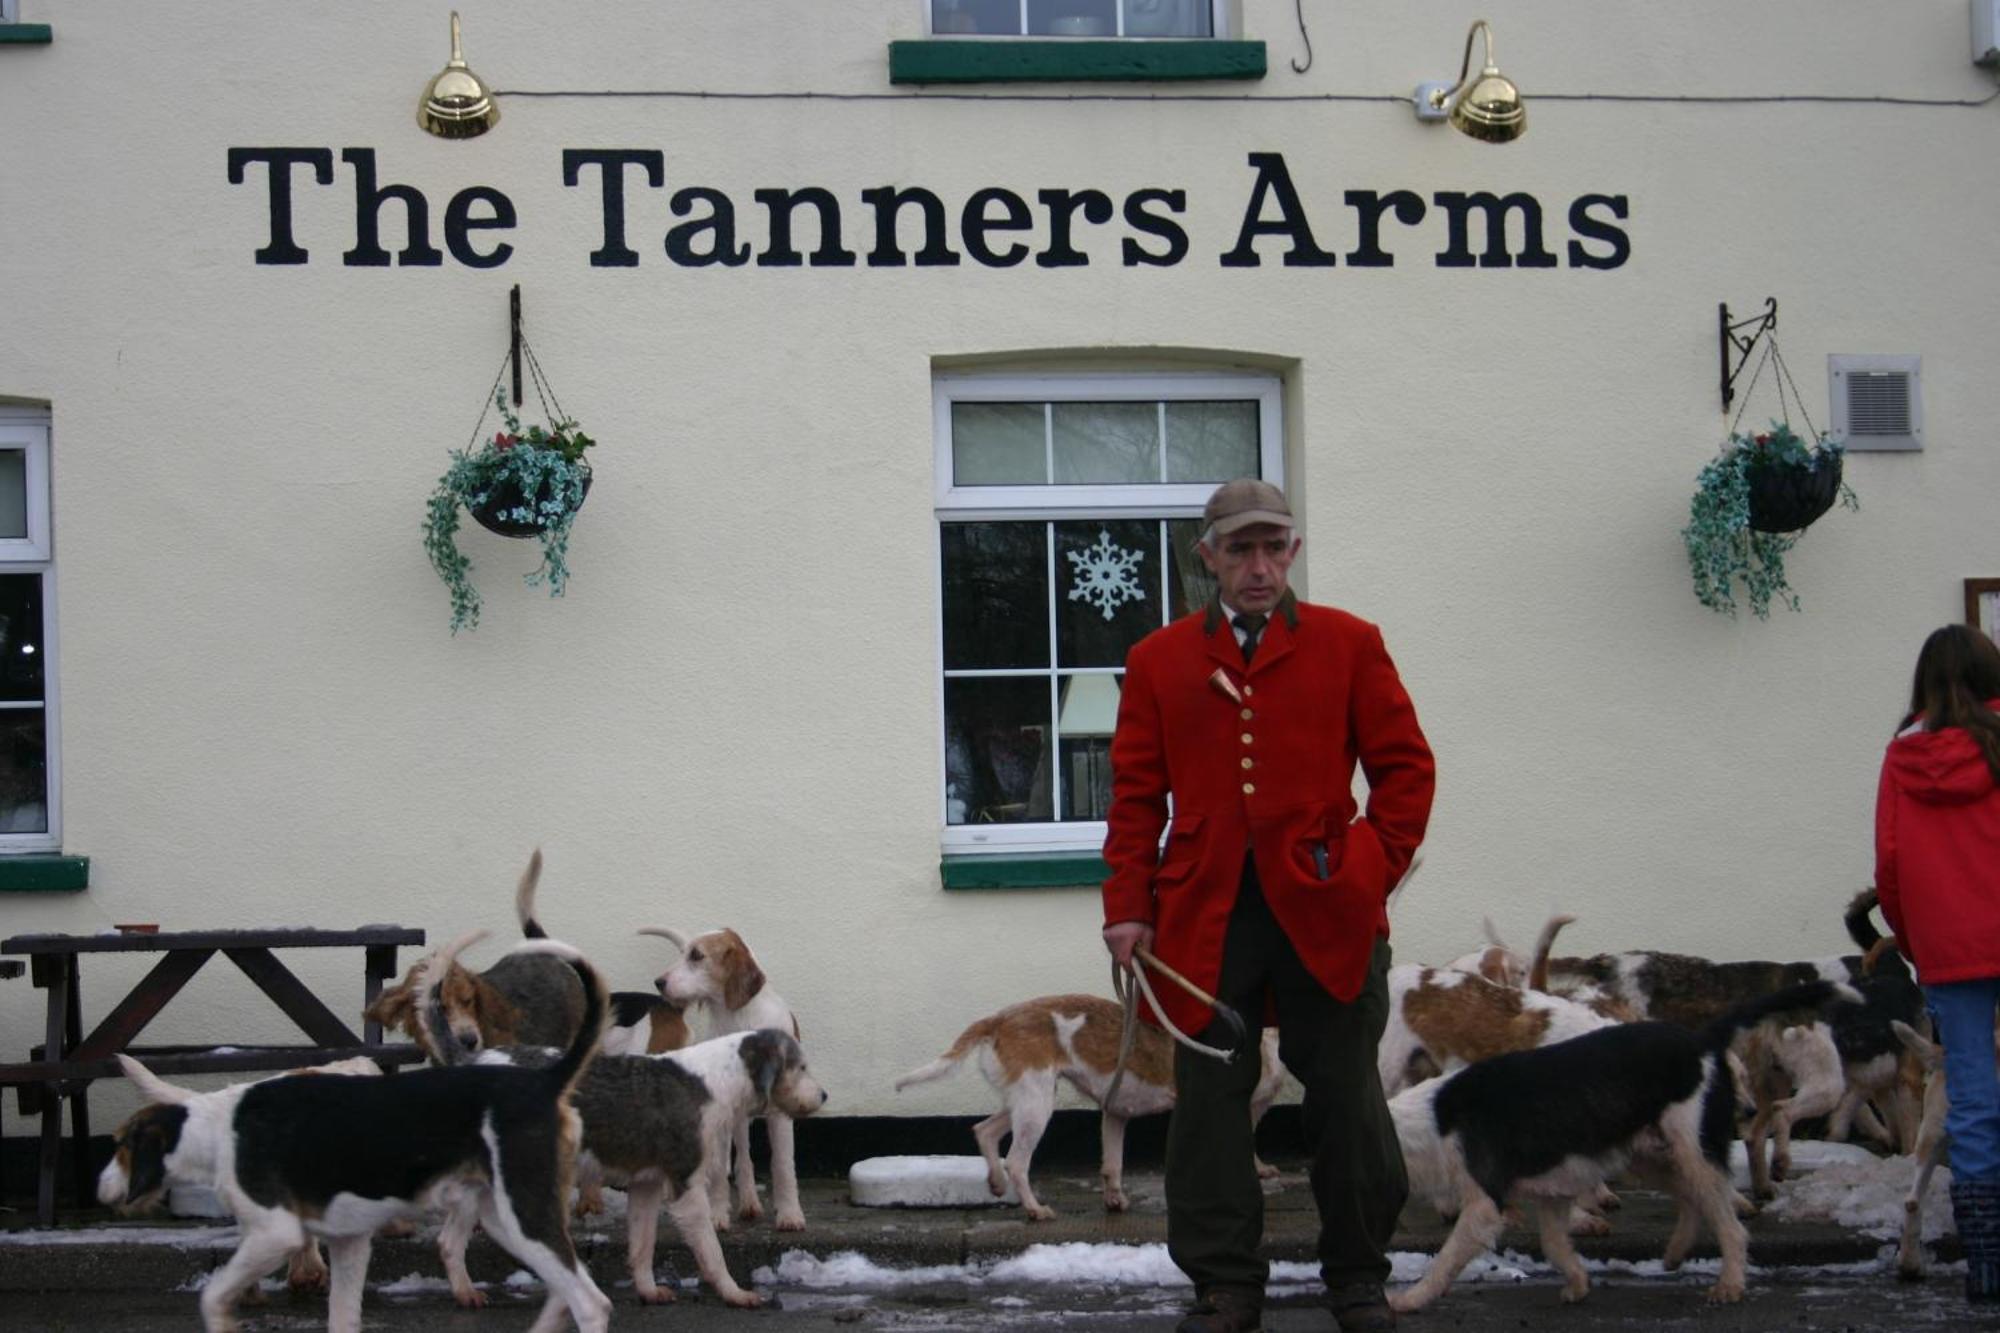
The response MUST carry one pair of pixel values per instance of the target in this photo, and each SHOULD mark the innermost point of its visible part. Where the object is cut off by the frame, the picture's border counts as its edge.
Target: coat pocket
(1182, 852)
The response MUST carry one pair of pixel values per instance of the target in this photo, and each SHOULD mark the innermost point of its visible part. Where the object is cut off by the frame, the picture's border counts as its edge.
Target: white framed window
(30, 776)
(10, 10)
(1067, 508)
(1079, 18)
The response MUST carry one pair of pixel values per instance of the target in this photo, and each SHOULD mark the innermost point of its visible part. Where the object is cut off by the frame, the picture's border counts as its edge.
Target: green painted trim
(1070, 60)
(26, 34)
(50, 873)
(1024, 870)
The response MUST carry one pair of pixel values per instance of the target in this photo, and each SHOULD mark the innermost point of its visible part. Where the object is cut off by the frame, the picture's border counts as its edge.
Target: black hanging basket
(1786, 497)
(505, 498)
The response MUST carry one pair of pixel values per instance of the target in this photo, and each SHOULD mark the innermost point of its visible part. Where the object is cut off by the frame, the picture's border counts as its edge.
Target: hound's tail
(978, 1033)
(524, 899)
(1538, 972)
(1860, 921)
(1803, 1003)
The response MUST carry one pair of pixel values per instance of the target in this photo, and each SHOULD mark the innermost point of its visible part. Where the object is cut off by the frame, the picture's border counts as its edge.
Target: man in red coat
(1271, 894)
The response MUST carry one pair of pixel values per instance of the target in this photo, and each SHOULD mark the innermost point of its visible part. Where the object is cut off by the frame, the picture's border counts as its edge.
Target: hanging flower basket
(1788, 497)
(509, 513)
(519, 483)
(1751, 502)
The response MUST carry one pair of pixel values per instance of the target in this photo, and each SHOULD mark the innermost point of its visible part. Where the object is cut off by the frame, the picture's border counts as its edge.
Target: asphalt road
(1777, 1301)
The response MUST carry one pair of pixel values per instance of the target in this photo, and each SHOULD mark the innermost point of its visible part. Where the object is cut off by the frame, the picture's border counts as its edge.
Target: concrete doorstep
(96, 1251)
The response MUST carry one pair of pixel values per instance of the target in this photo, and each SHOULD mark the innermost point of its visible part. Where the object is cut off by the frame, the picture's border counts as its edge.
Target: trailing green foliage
(1723, 549)
(541, 469)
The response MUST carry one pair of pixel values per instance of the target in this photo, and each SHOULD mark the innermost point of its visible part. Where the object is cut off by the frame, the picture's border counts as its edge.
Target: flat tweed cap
(1243, 502)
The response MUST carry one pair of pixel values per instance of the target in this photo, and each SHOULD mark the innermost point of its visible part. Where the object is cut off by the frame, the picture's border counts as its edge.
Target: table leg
(79, 1102)
(57, 977)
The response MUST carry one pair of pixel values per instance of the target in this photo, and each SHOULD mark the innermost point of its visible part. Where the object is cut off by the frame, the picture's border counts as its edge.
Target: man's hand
(1122, 937)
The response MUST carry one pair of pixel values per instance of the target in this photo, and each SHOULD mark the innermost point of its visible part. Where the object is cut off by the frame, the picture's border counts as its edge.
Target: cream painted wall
(732, 717)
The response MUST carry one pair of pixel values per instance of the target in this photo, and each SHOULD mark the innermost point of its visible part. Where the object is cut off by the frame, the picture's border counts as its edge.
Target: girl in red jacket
(1937, 870)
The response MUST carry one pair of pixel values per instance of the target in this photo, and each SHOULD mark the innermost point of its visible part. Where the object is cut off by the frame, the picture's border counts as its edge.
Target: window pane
(13, 492)
(21, 638)
(1189, 583)
(981, 16)
(1107, 588)
(1169, 18)
(998, 444)
(996, 595)
(1106, 442)
(996, 751)
(1073, 18)
(24, 775)
(1086, 718)
(1211, 441)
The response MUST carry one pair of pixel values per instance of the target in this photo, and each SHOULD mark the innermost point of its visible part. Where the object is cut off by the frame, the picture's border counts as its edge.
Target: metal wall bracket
(1759, 325)
(514, 310)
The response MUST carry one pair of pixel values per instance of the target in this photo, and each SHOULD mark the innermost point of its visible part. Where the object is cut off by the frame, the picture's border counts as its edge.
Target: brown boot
(1361, 1307)
(1225, 1310)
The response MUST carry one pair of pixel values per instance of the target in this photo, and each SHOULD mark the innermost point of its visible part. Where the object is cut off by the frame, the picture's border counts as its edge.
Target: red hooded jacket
(1937, 854)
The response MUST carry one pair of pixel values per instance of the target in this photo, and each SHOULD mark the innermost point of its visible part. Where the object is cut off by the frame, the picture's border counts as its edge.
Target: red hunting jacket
(1272, 772)
(1937, 853)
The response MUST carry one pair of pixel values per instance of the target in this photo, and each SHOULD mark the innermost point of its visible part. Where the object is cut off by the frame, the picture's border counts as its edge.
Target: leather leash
(1128, 983)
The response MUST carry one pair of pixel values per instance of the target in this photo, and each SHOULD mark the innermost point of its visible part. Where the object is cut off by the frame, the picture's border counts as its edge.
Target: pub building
(910, 337)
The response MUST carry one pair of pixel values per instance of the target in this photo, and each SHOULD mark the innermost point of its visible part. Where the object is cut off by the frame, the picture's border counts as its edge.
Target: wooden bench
(67, 1061)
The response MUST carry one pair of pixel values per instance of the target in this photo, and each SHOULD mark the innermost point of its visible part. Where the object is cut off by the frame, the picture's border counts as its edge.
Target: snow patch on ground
(183, 1238)
(1807, 1155)
(414, 1284)
(1865, 1196)
(1081, 1263)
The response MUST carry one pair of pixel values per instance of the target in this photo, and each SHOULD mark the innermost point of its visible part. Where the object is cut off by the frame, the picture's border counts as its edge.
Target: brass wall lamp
(1487, 106)
(457, 104)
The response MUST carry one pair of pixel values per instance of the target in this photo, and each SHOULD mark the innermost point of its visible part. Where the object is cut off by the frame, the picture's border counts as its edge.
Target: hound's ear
(152, 1085)
(764, 1053)
(745, 979)
(395, 1007)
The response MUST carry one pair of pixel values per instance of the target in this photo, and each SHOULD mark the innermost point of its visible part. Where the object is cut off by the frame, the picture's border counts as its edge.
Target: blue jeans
(1963, 1012)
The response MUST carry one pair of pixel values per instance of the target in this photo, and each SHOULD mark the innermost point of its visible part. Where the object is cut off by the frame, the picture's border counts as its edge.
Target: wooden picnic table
(67, 1061)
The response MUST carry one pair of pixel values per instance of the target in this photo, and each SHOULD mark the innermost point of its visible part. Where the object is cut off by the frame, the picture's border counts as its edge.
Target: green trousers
(1215, 1203)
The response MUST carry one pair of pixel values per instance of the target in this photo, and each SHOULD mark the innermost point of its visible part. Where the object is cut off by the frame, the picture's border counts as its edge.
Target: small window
(1877, 401)
(1068, 509)
(29, 726)
(1077, 18)
(10, 10)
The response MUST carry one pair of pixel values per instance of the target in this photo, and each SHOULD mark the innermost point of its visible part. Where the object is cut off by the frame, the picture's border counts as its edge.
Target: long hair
(1958, 671)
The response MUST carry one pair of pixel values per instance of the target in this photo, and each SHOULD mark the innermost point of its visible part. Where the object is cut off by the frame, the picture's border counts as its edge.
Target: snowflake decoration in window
(1104, 574)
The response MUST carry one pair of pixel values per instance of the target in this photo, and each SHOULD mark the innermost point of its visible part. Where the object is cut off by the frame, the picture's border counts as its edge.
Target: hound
(527, 998)
(336, 1157)
(1027, 1048)
(718, 973)
(658, 1127)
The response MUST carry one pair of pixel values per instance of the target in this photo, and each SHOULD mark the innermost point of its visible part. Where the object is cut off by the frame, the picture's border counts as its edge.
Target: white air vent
(1877, 401)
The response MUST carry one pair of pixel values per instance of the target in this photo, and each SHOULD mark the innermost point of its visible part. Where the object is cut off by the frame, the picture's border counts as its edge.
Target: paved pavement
(141, 1275)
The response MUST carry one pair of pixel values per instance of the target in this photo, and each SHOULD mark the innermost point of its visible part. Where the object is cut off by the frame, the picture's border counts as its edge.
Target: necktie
(1252, 626)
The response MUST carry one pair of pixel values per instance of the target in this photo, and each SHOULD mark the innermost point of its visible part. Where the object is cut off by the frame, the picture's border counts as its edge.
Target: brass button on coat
(1246, 761)
(1246, 738)
(1249, 788)
(1247, 715)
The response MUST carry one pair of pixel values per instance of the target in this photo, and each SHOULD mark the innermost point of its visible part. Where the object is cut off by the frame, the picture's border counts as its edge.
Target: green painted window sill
(49, 872)
(1062, 60)
(1024, 870)
(26, 34)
